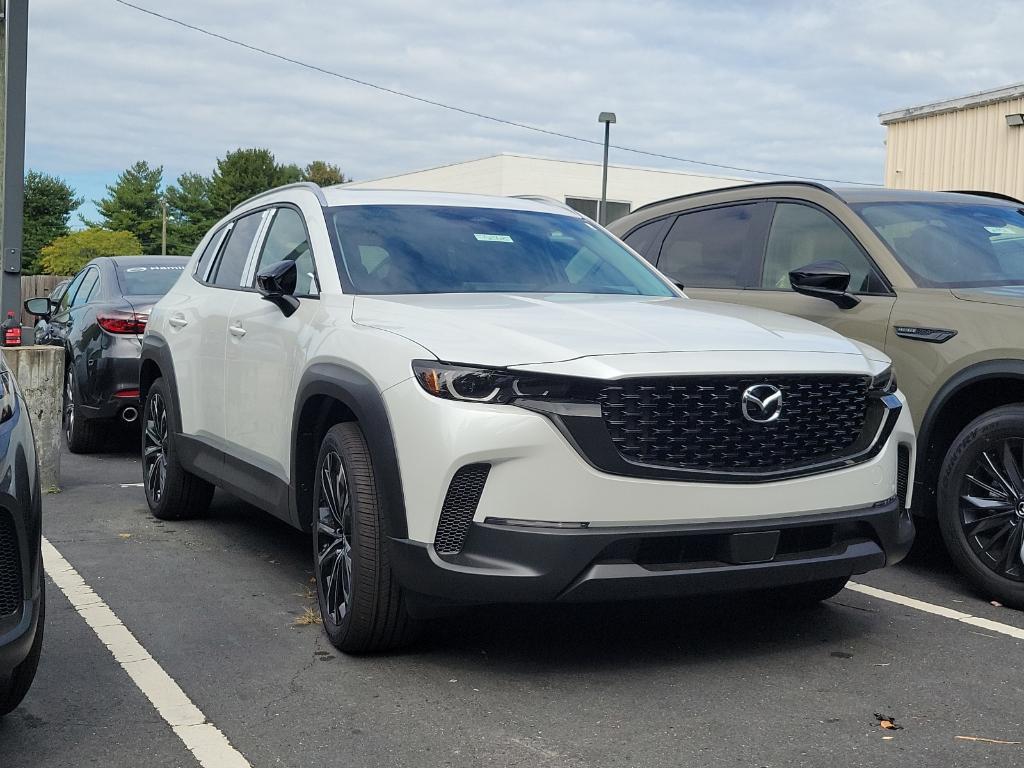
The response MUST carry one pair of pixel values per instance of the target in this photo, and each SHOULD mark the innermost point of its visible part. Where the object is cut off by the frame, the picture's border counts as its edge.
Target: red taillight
(119, 321)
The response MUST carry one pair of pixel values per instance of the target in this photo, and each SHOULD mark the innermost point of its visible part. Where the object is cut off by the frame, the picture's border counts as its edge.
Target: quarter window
(85, 290)
(208, 253)
(644, 240)
(801, 235)
(287, 241)
(710, 248)
(227, 272)
(69, 294)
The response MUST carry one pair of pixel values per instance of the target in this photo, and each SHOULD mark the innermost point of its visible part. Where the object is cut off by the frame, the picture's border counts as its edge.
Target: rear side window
(710, 248)
(69, 294)
(287, 241)
(645, 240)
(208, 252)
(227, 272)
(87, 288)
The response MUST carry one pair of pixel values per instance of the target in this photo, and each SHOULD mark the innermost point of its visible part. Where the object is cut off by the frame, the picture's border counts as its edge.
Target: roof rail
(983, 193)
(813, 184)
(546, 199)
(308, 185)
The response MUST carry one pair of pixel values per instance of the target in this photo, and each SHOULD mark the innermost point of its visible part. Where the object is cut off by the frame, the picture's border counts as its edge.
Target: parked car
(99, 320)
(22, 602)
(472, 399)
(935, 279)
(41, 333)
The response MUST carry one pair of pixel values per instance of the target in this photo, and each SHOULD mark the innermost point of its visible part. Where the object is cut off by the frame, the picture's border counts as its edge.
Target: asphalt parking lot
(222, 605)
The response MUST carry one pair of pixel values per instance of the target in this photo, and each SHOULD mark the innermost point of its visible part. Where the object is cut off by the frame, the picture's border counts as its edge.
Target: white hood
(507, 330)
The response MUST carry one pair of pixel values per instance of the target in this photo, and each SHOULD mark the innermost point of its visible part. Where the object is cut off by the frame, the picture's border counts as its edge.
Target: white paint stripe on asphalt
(209, 746)
(938, 610)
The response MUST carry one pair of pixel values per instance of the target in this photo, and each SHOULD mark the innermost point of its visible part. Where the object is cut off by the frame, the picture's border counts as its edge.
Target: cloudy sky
(789, 87)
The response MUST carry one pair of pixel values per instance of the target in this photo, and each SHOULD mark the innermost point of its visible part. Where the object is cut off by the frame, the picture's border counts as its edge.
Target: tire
(362, 606)
(82, 435)
(980, 503)
(14, 688)
(800, 596)
(172, 492)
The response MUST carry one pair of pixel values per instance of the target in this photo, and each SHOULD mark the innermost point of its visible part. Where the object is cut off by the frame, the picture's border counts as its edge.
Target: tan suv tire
(981, 503)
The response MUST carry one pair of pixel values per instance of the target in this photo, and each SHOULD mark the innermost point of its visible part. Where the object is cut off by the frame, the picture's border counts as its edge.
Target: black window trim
(774, 202)
(262, 239)
(760, 224)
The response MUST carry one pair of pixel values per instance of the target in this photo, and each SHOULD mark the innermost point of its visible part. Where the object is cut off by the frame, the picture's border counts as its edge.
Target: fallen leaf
(125, 535)
(987, 741)
(887, 722)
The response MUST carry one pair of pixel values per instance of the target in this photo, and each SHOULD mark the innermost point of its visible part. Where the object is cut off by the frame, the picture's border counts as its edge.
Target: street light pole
(163, 227)
(602, 212)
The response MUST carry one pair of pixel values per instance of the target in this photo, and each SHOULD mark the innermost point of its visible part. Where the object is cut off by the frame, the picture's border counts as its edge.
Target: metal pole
(602, 213)
(163, 228)
(14, 53)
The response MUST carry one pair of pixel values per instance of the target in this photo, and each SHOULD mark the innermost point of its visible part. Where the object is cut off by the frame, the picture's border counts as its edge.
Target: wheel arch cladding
(328, 394)
(965, 396)
(155, 364)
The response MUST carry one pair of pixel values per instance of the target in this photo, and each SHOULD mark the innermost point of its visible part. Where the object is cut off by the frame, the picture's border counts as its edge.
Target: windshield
(952, 245)
(149, 279)
(401, 249)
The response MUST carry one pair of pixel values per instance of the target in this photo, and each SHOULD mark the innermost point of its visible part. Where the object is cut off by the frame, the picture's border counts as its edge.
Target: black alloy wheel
(69, 406)
(154, 448)
(333, 504)
(992, 508)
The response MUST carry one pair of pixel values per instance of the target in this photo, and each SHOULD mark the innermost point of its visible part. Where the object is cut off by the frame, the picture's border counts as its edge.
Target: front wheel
(361, 604)
(980, 502)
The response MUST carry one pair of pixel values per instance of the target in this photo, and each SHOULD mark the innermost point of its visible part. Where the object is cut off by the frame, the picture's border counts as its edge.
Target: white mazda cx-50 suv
(469, 399)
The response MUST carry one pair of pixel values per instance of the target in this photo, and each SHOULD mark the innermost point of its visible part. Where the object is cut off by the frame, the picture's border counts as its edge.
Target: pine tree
(190, 213)
(246, 172)
(133, 205)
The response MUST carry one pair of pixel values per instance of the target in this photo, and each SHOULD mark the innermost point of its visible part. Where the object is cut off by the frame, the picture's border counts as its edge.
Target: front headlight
(486, 385)
(885, 382)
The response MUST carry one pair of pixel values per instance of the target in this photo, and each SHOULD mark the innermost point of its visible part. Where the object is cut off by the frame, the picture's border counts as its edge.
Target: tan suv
(936, 279)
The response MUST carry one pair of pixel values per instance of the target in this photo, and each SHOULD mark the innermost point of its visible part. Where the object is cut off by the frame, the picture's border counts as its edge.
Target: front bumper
(505, 564)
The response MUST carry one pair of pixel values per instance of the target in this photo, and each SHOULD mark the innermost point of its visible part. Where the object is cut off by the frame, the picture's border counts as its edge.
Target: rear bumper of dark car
(111, 376)
(506, 564)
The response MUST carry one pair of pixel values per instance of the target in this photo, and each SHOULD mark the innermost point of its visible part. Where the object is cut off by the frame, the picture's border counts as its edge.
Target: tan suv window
(801, 235)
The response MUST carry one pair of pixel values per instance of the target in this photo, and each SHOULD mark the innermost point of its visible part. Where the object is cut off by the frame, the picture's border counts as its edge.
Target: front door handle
(236, 330)
(177, 321)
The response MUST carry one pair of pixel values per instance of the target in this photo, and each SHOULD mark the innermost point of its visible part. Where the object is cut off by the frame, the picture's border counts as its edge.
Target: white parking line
(938, 610)
(209, 746)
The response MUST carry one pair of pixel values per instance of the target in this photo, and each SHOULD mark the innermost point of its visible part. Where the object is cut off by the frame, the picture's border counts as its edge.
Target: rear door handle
(177, 321)
(236, 330)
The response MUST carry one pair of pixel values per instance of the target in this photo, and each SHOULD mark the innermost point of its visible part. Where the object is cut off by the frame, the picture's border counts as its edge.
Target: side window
(710, 248)
(287, 241)
(227, 272)
(69, 294)
(208, 252)
(801, 235)
(90, 284)
(645, 240)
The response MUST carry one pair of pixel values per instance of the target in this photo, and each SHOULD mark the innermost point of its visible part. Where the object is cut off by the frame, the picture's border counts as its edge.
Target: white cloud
(789, 86)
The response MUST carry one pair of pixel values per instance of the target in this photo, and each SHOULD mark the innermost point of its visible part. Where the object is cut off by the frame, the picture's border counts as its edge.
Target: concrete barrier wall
(39, 372)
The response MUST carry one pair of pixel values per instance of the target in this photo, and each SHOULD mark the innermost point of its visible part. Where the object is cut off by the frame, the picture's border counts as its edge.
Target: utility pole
(13, 62)
(602, 212)
(163, 227)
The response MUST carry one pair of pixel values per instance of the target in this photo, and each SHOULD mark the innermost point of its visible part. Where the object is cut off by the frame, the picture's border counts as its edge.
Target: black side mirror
(40, 307)
(828, 280)
(277, 284)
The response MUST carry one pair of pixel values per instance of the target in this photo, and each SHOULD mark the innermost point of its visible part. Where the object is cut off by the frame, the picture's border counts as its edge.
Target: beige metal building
(972, 143)
(575, 182)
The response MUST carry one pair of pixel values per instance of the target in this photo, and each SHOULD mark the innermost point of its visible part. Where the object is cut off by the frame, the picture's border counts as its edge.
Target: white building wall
(526, 175)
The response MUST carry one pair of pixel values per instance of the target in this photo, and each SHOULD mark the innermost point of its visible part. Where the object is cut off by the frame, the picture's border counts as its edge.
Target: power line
(470, 112)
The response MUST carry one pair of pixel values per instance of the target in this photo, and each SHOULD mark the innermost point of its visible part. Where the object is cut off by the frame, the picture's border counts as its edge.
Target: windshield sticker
(144, 269)
(492, 238)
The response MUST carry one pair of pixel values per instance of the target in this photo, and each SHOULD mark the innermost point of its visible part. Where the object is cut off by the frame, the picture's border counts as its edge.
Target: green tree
(323, 173)
(190, 213)
(68, 254)
(246, 172)
(49, 202)
(133, 205)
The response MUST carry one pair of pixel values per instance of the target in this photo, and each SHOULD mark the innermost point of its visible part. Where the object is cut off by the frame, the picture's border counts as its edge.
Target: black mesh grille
(698, 424)
(11, 591)
(902, 474)
(459, 507)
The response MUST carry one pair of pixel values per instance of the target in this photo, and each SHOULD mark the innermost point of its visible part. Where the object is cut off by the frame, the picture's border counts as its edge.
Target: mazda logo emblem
(762, 403)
